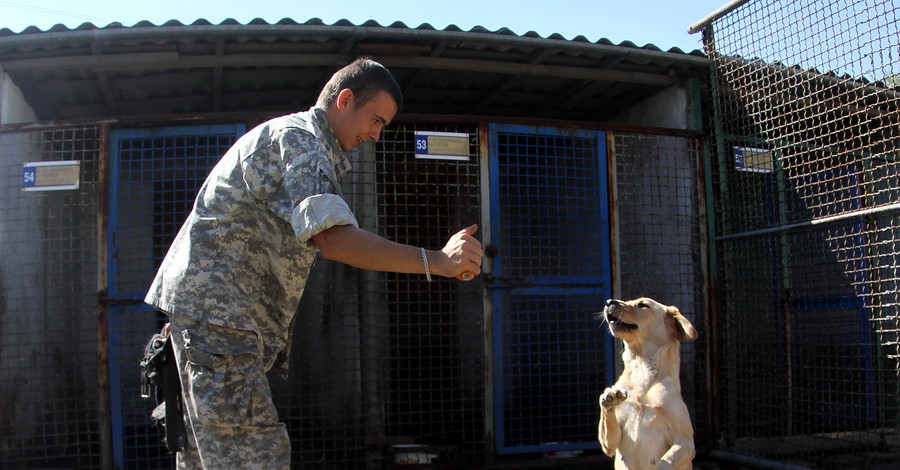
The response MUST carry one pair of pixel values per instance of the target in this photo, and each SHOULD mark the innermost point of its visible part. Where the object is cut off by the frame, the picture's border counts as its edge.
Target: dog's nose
(611, 302)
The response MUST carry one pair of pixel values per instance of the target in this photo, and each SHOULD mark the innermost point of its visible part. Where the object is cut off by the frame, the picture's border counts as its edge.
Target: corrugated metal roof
(176, 68)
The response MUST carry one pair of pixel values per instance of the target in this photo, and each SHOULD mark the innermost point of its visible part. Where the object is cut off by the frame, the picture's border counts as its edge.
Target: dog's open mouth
(615, 322)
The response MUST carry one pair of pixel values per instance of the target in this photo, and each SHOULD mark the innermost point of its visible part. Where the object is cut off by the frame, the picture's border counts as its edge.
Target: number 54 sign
(51, 176)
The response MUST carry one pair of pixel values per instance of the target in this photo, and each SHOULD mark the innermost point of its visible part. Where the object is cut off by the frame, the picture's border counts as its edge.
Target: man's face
(355, 124)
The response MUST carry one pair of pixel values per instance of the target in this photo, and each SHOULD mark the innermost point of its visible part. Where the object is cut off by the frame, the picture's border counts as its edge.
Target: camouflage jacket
(243, 256)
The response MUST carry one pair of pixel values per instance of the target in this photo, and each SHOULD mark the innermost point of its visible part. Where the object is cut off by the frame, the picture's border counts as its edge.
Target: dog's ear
(684, 330)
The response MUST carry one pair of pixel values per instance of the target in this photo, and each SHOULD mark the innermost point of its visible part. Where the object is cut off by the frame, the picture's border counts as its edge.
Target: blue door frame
(154, 177)
(551, 271)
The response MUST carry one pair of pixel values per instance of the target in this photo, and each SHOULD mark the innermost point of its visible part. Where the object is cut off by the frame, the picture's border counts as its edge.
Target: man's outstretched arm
(363, 249)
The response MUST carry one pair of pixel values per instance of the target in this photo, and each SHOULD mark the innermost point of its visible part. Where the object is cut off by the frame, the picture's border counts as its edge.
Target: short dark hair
(365, 78)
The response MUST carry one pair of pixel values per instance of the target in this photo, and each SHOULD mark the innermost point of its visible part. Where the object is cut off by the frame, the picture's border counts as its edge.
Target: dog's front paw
(612, 397)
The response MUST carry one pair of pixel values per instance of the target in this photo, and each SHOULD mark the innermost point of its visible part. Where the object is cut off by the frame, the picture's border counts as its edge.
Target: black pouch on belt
(159, 380)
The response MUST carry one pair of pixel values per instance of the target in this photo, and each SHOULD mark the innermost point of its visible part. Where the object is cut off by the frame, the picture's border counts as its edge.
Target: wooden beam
(158, 60)
(532, 70)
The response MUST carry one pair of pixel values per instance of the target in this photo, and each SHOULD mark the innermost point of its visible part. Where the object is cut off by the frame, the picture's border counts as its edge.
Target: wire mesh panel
(661, 252)
(381, 360)
(805, 184)
(50, 410)
(155, 176)
(435, 352)
(550, 228)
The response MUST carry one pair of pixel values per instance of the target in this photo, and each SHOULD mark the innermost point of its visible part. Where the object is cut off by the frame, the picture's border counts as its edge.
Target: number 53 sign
(442, 145)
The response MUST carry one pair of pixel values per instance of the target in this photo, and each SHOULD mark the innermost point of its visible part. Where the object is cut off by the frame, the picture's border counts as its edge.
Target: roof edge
(202, 29)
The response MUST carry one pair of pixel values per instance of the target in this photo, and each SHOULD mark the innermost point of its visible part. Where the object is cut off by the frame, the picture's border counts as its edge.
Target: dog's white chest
(645, 432)
(639, 417)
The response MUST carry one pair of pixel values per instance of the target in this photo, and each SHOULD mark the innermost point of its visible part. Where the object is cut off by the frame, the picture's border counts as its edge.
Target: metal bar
(809, 223)
(753, 461)
(105, 407)
(708, 266)
(484, 153)
(725, 398)
(373, 319)
(722, 11)
(614, 361)
(527, 121)
(615, 263)
(784, 295)
(50, 125)
(101, 61)
(111, 191)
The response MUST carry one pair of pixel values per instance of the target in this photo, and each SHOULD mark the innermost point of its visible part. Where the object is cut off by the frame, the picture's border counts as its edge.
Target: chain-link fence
(806, 189)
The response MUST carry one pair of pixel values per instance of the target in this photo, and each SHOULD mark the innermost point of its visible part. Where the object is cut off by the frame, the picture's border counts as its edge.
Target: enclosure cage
(379, 360)
(805, 193)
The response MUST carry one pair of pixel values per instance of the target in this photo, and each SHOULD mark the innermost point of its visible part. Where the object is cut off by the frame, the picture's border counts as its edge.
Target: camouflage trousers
(229, 415)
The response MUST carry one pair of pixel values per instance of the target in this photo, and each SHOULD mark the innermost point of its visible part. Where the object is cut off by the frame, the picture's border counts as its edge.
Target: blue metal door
(154, 178)
(550, 273)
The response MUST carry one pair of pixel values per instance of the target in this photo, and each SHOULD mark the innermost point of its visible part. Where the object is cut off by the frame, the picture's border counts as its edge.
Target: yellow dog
(644, 422)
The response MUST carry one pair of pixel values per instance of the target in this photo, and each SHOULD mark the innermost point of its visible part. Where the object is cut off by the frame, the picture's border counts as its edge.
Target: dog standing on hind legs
(644, 422)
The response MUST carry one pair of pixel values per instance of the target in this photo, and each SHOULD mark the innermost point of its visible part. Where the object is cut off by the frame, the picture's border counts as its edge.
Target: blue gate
(154, 178)
(551, 272)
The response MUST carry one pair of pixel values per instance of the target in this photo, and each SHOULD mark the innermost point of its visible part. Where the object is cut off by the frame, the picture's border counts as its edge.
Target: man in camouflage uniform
(232, 279)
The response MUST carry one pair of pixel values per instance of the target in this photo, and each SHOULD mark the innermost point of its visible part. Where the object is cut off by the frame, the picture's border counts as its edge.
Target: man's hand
(463, 254)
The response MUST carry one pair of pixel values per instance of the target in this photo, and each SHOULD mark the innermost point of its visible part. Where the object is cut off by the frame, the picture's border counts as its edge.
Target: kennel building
(580, 162)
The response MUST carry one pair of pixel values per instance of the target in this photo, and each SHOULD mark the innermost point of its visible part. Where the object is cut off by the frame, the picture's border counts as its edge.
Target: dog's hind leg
(678, 457)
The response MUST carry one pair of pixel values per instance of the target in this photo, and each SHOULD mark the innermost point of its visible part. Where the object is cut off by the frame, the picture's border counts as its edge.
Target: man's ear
(344, 99)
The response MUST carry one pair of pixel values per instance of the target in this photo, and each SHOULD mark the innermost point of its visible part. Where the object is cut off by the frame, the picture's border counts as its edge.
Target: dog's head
(644, 318)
